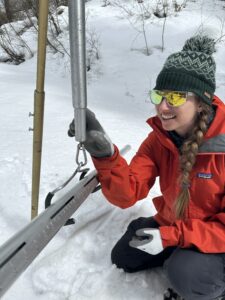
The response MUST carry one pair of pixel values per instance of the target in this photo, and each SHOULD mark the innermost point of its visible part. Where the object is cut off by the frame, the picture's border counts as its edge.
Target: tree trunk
(8, 10)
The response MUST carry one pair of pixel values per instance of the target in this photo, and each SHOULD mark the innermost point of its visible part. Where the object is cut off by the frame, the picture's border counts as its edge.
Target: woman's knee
(128, 258)
(120, 262)
(125, 257)
(195, 275)
(122, 254)
(116, 256)
(121, 251)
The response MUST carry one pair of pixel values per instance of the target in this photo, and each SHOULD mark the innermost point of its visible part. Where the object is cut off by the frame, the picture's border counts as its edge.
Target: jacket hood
(214, 139)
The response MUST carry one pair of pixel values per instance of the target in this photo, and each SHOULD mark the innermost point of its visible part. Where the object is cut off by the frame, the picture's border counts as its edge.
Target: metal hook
(81, 148)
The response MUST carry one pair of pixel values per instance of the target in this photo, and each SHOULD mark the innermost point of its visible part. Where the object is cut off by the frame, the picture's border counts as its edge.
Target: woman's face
(181, 118)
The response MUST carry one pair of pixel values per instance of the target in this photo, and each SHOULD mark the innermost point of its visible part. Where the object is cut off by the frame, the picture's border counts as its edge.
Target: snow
(76, 263)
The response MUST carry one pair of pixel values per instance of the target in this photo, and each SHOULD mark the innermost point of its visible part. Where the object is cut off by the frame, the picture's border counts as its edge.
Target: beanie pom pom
(200, 43)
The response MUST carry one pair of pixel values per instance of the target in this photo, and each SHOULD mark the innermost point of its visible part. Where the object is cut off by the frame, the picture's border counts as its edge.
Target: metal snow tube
(18, 252)
(78, 65)
(39, 97)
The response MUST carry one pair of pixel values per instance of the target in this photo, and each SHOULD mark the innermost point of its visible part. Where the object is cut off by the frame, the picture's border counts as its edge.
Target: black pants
(194, 275)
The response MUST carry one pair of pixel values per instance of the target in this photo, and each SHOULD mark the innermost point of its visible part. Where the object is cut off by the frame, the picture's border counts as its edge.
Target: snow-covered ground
(76, 263)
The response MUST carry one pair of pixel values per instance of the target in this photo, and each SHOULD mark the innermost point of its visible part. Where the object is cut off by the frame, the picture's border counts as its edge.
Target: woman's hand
(97, 143)
(148, 240)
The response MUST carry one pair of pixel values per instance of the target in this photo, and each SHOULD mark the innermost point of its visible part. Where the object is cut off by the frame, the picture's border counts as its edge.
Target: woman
(186, 149)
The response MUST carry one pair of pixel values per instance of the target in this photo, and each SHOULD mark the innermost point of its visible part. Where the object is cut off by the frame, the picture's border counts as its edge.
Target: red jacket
(204, 225)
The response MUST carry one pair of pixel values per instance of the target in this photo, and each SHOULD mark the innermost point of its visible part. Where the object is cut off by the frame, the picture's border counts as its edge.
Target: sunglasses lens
(176, 98)
(156, 97)
(173, 98)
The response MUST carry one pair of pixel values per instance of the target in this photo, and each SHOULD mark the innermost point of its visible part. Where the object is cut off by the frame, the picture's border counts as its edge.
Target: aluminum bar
(18, 252)
(78, 65)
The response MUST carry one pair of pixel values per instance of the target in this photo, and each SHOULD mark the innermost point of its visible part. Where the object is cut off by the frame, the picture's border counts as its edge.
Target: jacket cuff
(170, 236)
(106, 162)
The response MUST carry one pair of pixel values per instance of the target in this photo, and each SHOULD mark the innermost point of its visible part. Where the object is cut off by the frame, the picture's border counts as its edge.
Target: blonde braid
(189, 151)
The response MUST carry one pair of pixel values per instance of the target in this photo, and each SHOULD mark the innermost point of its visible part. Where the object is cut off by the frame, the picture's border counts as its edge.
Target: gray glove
(148, 240)
(97, 143)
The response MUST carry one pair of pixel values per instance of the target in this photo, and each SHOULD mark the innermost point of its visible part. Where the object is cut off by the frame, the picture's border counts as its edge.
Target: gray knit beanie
(192, 69)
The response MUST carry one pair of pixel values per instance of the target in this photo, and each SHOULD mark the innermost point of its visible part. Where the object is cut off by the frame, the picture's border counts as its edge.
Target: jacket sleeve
(124, 184)
(208, 236)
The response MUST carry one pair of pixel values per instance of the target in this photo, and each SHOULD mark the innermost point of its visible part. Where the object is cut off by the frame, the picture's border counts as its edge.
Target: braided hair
(188, 154)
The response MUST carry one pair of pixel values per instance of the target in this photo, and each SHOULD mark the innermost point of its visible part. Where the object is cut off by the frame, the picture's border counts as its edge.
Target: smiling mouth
(168, 117)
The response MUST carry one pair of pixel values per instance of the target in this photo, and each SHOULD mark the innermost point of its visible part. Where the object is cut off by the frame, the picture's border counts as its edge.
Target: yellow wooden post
(39, 98)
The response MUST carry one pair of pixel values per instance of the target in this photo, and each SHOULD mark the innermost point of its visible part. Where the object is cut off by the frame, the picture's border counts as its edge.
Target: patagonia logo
(205, 175)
